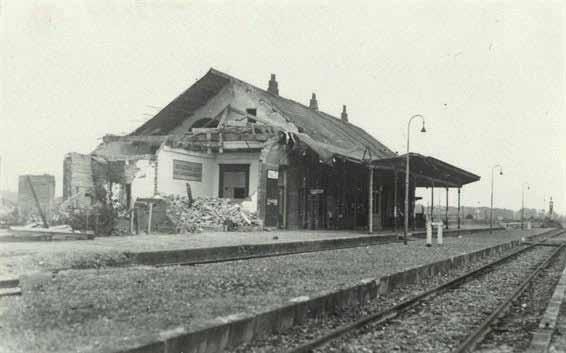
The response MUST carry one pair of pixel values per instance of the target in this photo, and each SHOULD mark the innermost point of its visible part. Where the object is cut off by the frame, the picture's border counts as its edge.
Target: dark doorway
(234, 181)
(272, 199)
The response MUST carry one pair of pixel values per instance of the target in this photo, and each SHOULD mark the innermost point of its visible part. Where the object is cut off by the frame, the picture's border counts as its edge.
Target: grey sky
(488, 76)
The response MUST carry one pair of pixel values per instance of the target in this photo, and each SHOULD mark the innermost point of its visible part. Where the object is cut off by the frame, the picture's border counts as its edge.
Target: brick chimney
(313, 103)
(273, 86)
(344, 114)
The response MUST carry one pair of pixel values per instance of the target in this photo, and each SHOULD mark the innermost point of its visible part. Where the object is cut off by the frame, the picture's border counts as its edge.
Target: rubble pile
(121, 226)
(209, 213)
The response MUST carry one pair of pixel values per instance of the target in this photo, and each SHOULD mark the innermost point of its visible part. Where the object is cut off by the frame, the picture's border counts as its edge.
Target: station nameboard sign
(183, 170)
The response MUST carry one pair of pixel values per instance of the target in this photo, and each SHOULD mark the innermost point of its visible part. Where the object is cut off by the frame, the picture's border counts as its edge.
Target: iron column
(523, 203)
(407, 175)
(491, 207)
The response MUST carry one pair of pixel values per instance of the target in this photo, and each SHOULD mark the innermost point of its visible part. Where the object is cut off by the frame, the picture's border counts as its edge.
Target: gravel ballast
(441, 323)
(319, 326)
(514, 331)
(87, 309)
(558, 342)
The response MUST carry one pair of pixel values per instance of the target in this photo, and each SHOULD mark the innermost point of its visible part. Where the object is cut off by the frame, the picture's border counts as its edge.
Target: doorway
(272, 199)
(234, 181)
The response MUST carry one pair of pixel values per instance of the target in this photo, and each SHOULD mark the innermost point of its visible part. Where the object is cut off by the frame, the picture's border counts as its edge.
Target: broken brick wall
(78, 179)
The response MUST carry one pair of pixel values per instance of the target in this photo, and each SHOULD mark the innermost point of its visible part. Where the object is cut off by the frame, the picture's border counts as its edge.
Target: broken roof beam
(218, 146)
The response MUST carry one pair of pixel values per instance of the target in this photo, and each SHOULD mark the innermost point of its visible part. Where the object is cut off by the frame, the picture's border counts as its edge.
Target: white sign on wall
(184, 170)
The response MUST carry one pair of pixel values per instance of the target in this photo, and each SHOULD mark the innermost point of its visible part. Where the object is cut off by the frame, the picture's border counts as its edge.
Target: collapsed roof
(326, 134)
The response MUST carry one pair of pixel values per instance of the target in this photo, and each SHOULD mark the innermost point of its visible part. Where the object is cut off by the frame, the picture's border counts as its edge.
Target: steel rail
(395, 310)
(286, 253)
(479, 333)
(260, 256)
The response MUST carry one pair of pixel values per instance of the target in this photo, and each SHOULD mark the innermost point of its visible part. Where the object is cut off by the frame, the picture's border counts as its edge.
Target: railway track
(283, 253)
(286, 253)
(557, 342)
(515, 329)
(477, 335)
(394, 322)
(549, 335)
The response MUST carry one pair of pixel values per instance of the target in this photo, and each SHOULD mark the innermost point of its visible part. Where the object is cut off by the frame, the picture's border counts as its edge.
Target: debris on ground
(209, 213)
(121, 226)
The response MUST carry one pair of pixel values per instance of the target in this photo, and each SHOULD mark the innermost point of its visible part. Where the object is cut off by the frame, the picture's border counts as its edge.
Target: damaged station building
(296, 166)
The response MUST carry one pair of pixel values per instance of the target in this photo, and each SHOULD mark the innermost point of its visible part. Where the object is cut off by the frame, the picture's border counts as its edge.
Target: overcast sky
(488, 76)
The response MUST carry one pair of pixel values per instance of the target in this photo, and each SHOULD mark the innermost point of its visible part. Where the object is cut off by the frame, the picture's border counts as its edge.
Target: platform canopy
(427, 171)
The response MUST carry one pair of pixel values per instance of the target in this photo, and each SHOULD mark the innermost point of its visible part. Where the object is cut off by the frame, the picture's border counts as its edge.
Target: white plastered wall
(166, 185)
(208, 186)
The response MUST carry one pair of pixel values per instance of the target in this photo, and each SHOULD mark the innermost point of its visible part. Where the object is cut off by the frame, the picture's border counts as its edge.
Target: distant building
(44, 188)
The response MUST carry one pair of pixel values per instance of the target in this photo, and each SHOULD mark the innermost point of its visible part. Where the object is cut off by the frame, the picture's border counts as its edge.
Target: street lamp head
(423, 129)
(500, 172)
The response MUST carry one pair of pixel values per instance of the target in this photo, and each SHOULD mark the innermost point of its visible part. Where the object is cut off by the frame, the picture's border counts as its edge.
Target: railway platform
(19, 258)
(217, 305)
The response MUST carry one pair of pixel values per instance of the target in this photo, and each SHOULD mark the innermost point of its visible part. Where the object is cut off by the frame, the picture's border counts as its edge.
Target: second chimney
(313, 103)
(273, 86)
(344, 114)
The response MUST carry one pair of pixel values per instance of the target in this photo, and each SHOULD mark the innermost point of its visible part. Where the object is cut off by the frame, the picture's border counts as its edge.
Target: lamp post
(523, 203)
(491, 208)
(407, 175)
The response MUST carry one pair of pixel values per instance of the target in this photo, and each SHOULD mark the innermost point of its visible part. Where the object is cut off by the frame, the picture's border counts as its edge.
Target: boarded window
(184, 170)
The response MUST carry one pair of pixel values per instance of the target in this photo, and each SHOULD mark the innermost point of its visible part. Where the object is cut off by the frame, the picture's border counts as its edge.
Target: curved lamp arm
(497, 166)
(409, 127)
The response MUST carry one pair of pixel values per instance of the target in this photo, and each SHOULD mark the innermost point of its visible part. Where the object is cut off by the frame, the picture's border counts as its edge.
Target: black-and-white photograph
(253, 176)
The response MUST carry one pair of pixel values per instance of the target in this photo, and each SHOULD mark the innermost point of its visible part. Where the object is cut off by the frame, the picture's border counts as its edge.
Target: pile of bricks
(208, 214)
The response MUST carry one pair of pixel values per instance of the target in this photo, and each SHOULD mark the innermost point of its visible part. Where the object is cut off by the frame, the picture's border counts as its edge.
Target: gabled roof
(183, 106)
(325, 131)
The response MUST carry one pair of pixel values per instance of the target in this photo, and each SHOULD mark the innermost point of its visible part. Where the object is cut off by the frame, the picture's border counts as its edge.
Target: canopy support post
(414, 204)
(459, 188)
(432, 202)
(395, 185)
(446, 212)
(370, 201)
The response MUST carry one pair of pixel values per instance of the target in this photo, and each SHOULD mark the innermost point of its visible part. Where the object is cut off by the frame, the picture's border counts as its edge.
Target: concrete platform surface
(17, 258)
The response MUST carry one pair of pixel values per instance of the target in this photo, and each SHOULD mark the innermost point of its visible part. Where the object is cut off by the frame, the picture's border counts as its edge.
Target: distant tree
(469, 216)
